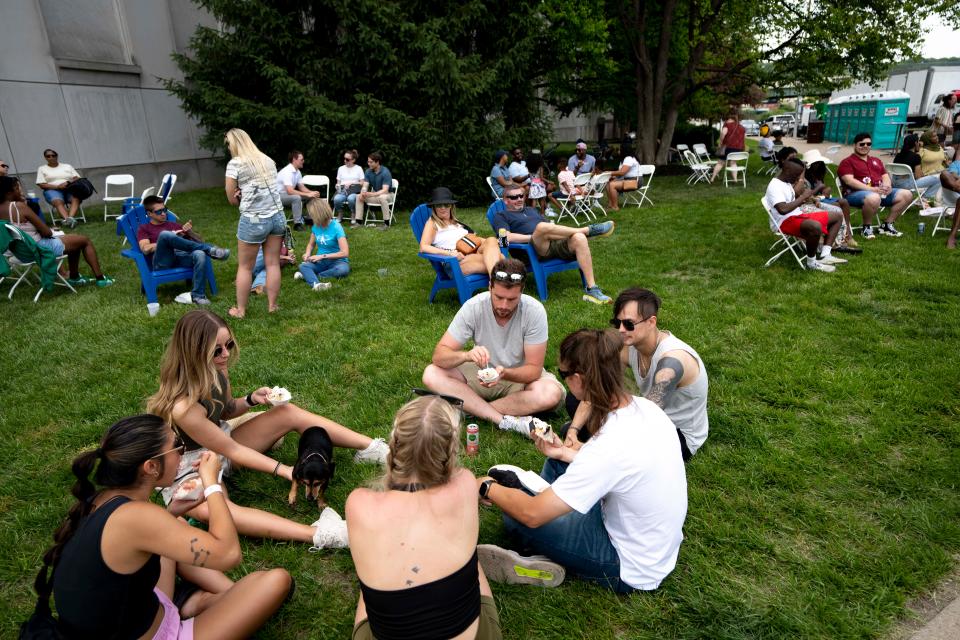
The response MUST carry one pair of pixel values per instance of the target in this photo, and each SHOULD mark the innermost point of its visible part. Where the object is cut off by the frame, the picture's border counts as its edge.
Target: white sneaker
(297, 275)
(520, 424)
(816, 265)
(503, 565)
(376, 452)
(551, 213)
(184, 298)
(331, 531)
(832, 259)
(514, 477)
(322, 286)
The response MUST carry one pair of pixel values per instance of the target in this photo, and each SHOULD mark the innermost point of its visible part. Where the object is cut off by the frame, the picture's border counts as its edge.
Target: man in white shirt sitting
(292, 190)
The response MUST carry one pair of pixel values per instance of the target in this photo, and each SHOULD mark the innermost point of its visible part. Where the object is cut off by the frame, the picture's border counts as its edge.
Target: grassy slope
(826, 494)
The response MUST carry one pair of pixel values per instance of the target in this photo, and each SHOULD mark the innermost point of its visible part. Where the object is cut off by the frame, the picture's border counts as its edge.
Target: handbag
(353, 189)
(81, 189)
(469, 243)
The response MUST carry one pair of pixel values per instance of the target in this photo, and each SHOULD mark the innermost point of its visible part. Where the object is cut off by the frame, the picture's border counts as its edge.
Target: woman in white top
(349, 181)
(626, 178)
(251, 184)
(443, 230)
(54, 178)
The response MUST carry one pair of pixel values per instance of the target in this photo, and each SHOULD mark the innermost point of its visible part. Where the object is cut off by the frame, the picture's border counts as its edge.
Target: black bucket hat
(441, 195)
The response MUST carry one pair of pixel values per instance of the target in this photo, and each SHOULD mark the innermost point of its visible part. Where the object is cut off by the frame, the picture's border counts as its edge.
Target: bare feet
(951, 243)
(236, 313)
(274, 309)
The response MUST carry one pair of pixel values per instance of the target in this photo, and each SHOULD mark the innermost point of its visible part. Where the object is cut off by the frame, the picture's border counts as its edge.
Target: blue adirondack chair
(447, 268)
(541, 267)
(150, 277)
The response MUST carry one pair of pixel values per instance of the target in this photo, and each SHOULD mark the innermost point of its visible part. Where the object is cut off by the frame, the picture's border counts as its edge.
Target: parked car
(785, 122)
(753, 129)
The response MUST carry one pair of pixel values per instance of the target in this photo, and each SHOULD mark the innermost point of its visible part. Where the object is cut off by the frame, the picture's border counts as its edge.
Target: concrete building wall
(581, 125)
(84, 77)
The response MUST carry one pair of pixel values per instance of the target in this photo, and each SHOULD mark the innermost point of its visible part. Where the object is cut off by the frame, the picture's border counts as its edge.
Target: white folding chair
(572, 205)
(165, 190)
(681, 151)
(947, 211)
(598, 187)
(23, 270)
(737, 171)
(897, 172)
(80, 217)
(703, 155)
(372, 220)
(793, 245)
(700, 171)
(118, 181)
(492, 190)
(316, 181)
(638, 196)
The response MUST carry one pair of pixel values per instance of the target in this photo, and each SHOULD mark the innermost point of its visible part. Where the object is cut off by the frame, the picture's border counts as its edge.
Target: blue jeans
(577, 541)
(856, 198)
(259, 272)
(50, 195)
(340, 198)
(326, 268)
(929, 185)
(176, 251)
(256, 230)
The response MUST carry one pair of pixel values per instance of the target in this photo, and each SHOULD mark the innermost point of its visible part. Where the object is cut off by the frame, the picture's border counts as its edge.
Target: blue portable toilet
(882, 114)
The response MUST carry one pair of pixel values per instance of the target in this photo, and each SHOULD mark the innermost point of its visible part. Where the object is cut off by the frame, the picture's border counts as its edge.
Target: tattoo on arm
(665, 380)
(200, 555)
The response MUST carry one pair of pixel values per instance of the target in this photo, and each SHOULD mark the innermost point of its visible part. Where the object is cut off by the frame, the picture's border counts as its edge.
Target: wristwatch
(485, 487)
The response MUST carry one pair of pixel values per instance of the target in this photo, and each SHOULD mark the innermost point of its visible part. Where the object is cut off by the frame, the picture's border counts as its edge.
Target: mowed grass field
(824, 498)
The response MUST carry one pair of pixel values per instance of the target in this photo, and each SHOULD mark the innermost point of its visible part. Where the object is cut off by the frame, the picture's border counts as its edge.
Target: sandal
(235, 313)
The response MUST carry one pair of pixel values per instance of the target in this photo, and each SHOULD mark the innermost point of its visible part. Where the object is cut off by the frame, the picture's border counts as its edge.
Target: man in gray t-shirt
(509, 334)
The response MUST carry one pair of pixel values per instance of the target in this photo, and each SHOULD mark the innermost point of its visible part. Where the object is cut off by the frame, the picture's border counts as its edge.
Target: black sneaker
(887, 229)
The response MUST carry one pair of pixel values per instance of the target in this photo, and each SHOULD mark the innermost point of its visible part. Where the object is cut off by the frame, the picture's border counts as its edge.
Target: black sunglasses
(629, 325)
(864, 144)
(516, 196)
(219, 350)
(564, 374)
(157, 212)
(52, 155)
(5, 166)
(178, 445)
(455, 401)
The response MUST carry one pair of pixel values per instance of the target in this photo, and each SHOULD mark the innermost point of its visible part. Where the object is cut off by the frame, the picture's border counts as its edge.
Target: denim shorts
(856, 198)
(256, 230)
(55, 194)
(53, 244)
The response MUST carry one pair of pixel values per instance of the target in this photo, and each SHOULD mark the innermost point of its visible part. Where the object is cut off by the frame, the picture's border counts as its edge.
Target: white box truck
(926, 87)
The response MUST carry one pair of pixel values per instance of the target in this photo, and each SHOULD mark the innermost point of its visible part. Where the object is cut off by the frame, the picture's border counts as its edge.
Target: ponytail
(595, 355)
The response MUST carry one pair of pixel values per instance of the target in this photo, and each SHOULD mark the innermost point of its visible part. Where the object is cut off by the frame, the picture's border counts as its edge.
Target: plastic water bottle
(921, 228)
(502, 239)
(473, 439)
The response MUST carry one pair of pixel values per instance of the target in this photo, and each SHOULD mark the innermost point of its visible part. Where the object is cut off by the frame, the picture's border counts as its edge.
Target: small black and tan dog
(314, 466)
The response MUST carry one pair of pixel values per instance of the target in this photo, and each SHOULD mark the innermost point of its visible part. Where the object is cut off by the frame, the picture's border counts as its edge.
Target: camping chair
(492, 190)
(165, 190)
(372, 220)
(598, 187)
(118, 181)
(638, 195)
(738, 171)
(540, 267)
(316, 181)
(793, 245)
(150, 277)
(22, 271)
(447, 268)
(700, 171)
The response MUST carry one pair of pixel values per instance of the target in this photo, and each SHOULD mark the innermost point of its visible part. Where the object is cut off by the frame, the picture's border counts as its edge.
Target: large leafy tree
(435, 85)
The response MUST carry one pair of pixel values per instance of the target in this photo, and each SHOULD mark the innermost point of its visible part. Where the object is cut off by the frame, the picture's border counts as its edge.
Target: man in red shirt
(866, 186)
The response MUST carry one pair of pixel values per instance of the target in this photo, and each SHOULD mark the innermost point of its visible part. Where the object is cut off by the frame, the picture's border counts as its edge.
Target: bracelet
(212, 489)
(276, 468)
(250, 400)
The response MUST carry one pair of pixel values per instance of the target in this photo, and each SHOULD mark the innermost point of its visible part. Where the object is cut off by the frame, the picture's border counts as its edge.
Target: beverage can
(502, 239)
(473, 439)
(921, 228)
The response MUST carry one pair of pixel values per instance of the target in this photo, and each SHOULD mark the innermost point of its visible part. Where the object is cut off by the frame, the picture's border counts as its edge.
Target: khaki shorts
(560, 249)
(503, 388)
(489, 623)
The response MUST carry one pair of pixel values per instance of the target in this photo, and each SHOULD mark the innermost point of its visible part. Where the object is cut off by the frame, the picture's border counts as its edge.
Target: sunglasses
(503, 276)
(564, 374)
(629, 325)
(516, 196)
(5, 166)
(50, 155)
(219, 350)
(455, 401)
(348, 159)
(160, 211)
(178, 445)
(864, 144)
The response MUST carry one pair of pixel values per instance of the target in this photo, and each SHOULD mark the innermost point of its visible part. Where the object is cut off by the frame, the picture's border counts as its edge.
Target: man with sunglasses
(170, 247)
(866, 186)
(509, 332)
(525, 224)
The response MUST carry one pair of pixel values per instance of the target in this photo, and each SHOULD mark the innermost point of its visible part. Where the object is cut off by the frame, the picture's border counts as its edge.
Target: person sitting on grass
(260, 268)
(54, 178)
(525, 224)
(815, 176)
(171, 245)
(626, 178)
(786, 197)
(414, 541)
(509, 333)
(14, 209)
(950, 180)
(195, 397)
(442, 232)
(610, 512)
(327, 252)
(866, 186)
(116, 546)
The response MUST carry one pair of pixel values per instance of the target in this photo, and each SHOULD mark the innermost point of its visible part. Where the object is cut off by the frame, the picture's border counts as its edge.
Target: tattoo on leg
(665, 380)
(198, 552)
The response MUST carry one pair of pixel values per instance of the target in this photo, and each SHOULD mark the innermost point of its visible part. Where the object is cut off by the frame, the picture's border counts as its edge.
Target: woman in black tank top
(414, 544)
(116, 556)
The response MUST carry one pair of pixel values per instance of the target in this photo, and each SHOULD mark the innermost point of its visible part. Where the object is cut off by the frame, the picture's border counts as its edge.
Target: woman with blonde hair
(327, 252)
(116, 555)
(251, 184)
(442, 232)
(414, 541)
(196, 398)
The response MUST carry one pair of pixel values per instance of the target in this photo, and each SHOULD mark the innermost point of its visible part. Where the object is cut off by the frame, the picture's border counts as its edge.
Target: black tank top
(92, 600)
(214, 407)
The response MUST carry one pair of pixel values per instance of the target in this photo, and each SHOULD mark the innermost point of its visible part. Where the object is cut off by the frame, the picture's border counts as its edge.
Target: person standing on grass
(116, 556)
(667, 370)
(196, 399)
(943, 121)
(732, 139)
(509, 333)
(866, 186)
(166, 241)
(251, 184)
(610, 511)
(785, 197)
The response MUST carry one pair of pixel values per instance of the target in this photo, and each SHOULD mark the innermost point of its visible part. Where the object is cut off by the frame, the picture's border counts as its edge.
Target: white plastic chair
(639, 195)
(793, 245)
(23, 270)
(492, 190)
(573, 205)
(118, 181)
(165, 190)
(703, 155)
(898, 171)
(598, 188)
(681, 150)
(737, 171)
(80, 217)
(371, 220)
(947, 211)
(700, 171)
(316, 181)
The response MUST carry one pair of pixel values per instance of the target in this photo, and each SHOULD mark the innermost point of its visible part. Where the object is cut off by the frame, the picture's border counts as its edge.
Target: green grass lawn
(825, 496)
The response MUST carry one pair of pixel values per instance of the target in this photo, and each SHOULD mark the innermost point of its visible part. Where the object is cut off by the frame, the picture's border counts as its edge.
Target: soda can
(921, 228)
(473, 439)
(502, 239)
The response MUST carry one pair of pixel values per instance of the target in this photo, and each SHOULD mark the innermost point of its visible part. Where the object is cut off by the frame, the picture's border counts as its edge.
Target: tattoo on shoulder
(200, 555)
(665, 380)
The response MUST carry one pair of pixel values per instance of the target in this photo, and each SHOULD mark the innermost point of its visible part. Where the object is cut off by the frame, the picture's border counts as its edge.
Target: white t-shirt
(634, 466)
(475, 321)
(289, 176)
(258, 196)
(766, 147)
(779, 191)
(634, 171)
(518, 169)
(349, 175)
(55, 175)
